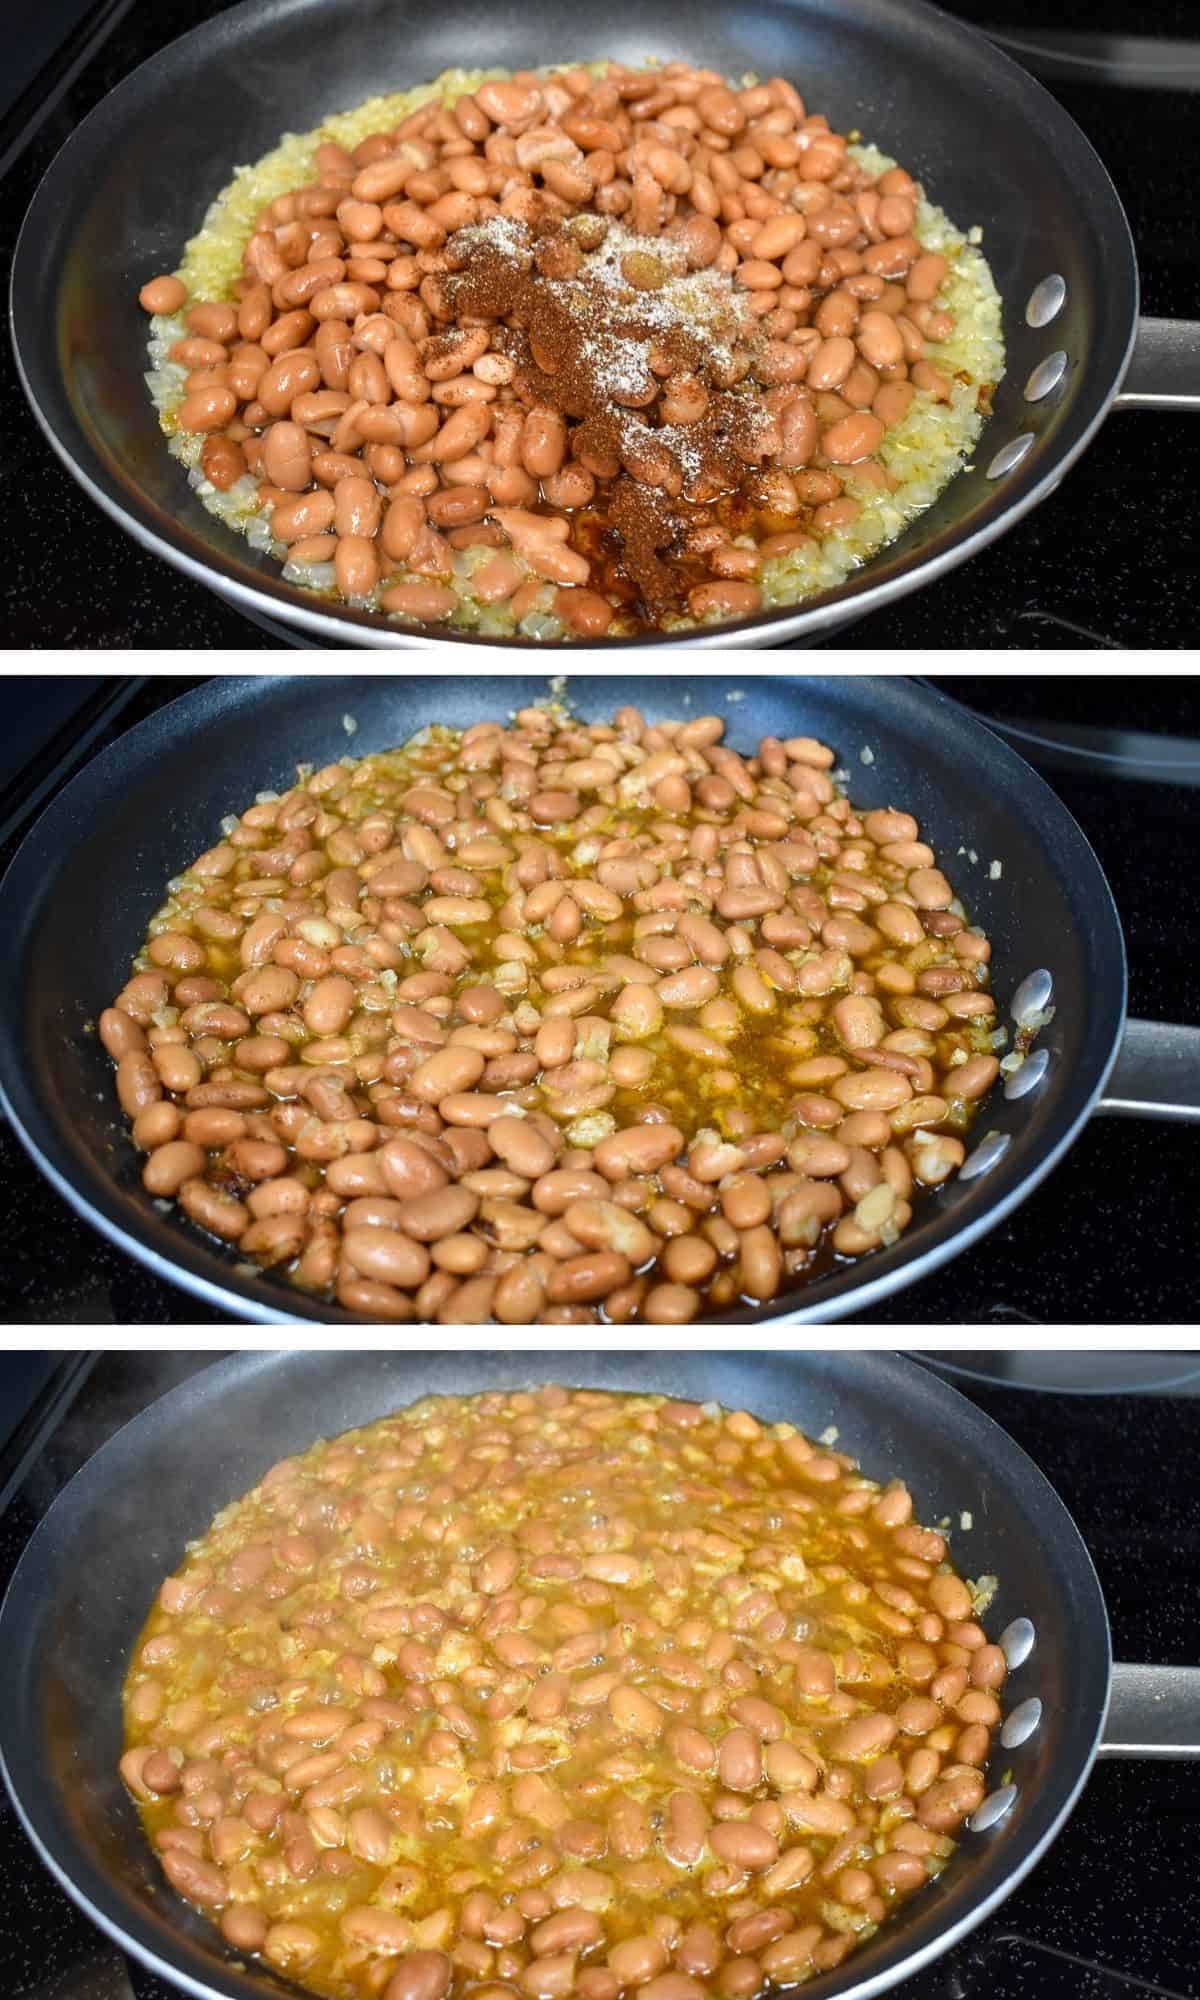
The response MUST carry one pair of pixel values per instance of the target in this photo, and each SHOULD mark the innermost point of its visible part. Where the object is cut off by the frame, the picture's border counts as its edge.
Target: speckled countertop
(1099, 564)
(1107, 1915)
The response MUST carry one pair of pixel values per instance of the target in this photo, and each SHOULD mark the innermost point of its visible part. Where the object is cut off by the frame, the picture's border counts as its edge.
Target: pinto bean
(739, 1760)
(171, 1165)
(196, 1879)
(636, 1960)
(524, 1149)
(287, 460)
(137, 1081)
(389, 1255)
(591, 1276)
(745, 1845)
(450, 1069)
(424, 602)
(640, 1149)
(357, 508)
(162, 295)
(219, 1213)
(423, 1975)
(852, 438)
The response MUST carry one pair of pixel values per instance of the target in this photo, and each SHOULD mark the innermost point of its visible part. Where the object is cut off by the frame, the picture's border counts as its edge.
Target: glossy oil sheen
(86, 1580)
(151, 802)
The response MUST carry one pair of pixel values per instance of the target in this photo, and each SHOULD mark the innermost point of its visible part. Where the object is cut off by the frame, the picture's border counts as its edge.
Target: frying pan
(994, 149)
(76, 899)
(87, 1579)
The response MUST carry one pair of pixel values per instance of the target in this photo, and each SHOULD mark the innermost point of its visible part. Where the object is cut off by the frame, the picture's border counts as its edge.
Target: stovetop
(1108, 1238)
(1098, 564)
(1109, 1912)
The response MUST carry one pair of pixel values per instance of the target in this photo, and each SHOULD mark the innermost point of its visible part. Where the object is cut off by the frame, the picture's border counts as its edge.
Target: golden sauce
(564, 1611)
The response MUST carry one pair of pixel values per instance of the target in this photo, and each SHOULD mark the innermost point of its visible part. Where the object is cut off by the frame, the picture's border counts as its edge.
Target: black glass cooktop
(1107, 1915)
(1108, 1238)
(1101, 563)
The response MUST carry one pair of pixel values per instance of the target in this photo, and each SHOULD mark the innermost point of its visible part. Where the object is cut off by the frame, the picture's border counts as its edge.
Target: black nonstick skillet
(991, 145)
(88, 1577)
(74, 905)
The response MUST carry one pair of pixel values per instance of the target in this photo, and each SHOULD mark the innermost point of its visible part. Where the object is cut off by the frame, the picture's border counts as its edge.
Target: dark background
(1102, 562)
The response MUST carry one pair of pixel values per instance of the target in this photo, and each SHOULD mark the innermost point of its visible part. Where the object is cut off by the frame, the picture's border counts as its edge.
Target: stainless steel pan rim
(950, 1428)
(825, 1988)
(818, 618)
(257, 1301)
(263, 593)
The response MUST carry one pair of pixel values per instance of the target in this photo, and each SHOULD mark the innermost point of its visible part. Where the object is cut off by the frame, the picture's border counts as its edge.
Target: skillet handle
(1157, 1073)
(1164, 370)
(1153, 1712)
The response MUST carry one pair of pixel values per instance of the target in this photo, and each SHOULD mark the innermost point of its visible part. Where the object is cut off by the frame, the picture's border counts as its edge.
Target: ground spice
(600, 324)
(643, 519)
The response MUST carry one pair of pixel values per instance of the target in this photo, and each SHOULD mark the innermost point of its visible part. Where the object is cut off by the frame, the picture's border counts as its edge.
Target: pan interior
(87, 1580)
(152, 802)
(994, 149)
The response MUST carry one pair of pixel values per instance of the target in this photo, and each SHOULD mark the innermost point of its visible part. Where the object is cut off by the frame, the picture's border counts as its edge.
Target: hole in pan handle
(1153, 1712)
(1164, 368)
(1156, 1074)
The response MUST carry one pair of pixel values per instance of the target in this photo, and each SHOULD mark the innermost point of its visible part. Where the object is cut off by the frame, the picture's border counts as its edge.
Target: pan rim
(907, 1373)
(268, 596)
(256, 1299)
